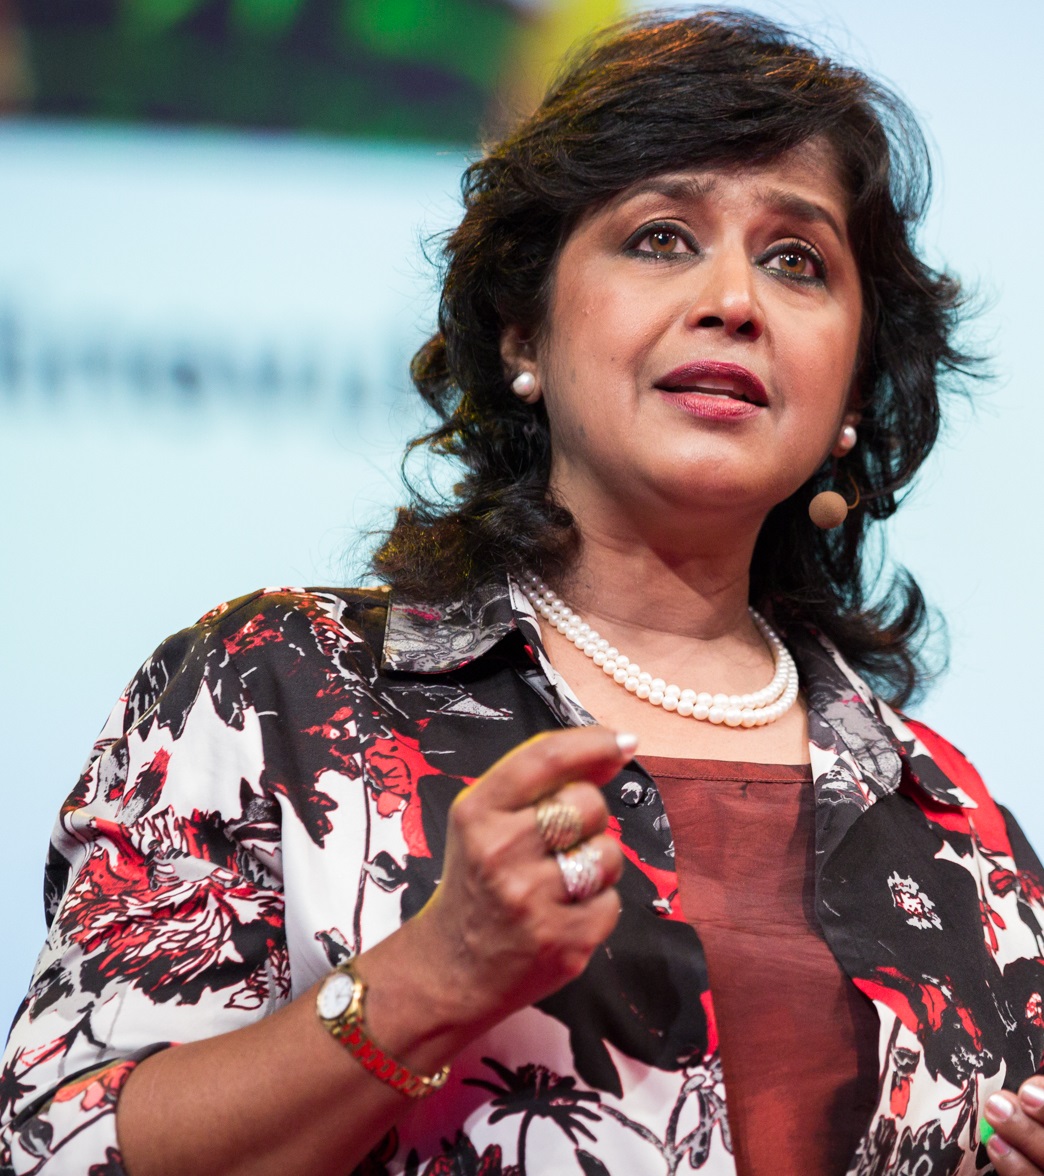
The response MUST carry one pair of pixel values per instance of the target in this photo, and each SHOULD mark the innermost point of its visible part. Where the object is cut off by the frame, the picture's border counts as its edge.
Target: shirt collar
(843, 708)
(425, 638)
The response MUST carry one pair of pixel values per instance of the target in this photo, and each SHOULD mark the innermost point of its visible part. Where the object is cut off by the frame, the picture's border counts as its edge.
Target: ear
(518, 354)
(516, 350)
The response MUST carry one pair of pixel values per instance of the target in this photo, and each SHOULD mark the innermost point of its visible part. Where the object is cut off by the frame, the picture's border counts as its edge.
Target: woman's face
(700, 343)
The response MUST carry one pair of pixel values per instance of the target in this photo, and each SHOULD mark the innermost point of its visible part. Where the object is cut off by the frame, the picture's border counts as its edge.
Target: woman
(796, 935)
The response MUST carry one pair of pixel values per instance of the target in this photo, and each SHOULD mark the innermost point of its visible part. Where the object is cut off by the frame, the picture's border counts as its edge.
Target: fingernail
(626, 742)
(997, 1146)
(1032, 1096)
(999, 1108)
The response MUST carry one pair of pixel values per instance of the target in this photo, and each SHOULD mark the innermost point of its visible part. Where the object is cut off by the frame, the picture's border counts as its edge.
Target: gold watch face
(335, 996)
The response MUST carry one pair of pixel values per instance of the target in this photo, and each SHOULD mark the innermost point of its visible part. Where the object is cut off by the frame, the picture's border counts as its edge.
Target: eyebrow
(682, 188)
(807, 210)
(778, 199)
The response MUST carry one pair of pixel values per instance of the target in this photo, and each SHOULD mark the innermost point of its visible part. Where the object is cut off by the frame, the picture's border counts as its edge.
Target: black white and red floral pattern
(270, 796)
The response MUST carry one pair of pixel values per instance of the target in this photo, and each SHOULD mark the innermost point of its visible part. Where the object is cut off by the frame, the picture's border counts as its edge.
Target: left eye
(796, 262)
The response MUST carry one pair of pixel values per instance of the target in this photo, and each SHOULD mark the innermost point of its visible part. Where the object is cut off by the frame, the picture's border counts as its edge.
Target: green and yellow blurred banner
(440, 70)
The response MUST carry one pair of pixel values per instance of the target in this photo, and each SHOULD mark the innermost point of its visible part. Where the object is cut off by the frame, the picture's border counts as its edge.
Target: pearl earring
(524, 386)
(847, 440)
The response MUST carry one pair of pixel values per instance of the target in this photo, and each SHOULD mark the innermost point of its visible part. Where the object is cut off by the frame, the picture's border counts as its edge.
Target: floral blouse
(269, 797)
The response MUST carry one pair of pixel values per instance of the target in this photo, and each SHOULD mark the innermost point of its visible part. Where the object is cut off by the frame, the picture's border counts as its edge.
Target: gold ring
(560, 824)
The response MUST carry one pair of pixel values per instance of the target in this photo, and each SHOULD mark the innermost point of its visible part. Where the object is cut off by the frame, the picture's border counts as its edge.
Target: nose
(726, 296)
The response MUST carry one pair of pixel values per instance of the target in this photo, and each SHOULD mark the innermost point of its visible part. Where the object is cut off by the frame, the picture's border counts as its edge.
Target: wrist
(417, 1007)
(341, 1007)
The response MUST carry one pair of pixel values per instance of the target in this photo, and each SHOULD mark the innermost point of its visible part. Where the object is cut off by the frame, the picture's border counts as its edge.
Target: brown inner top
(798, 1039)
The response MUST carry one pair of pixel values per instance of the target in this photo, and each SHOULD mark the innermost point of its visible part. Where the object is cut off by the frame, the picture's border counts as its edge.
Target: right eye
(660, 241)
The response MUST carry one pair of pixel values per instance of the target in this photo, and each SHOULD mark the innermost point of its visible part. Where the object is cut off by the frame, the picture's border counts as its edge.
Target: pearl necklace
(734, 710)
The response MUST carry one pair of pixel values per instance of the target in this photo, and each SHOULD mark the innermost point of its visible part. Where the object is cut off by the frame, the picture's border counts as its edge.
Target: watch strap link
(371, 1057)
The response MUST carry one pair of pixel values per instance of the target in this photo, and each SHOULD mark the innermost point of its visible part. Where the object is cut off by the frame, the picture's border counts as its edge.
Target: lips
(726, 380)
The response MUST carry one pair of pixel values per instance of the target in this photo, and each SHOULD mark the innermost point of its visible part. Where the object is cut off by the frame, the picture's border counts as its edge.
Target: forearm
(282, 1096)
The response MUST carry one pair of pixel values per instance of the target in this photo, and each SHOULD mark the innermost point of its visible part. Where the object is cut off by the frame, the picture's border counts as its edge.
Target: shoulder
(273, 616)
(991, 823)
(358, 610)
(950, 759)
(262, 637)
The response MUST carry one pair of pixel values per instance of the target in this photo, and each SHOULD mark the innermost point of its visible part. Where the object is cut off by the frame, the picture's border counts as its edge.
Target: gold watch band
(349, 1027)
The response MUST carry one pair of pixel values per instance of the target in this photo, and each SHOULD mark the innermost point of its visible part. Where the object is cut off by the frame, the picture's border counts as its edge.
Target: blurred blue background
(205, 327)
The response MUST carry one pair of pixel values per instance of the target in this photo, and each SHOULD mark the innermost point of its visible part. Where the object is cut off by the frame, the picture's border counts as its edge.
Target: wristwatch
(339, 1005)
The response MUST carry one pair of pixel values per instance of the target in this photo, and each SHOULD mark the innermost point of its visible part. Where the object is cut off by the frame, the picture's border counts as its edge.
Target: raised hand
(502, 924)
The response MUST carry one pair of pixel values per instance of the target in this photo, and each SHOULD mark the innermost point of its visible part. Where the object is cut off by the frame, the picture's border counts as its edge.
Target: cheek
(821, 369)
(603, 316)
(593, 358)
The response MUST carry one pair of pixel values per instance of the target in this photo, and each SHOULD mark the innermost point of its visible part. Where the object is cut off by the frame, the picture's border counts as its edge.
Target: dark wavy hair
(655, 92)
